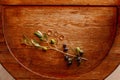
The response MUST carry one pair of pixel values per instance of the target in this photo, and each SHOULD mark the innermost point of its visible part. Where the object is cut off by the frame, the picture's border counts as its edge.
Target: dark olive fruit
(69, 63)
(78, 63)
(65, 49)
(66, 58)
(69, 59)
(78, 58)
(64, 45)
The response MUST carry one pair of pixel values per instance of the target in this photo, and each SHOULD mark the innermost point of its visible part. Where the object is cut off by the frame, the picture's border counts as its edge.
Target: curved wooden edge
(110, 62)
(13, 67)
(60, 2)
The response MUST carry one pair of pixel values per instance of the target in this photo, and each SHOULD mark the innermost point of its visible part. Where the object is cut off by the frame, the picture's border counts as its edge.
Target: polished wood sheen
(81, 26)
(93, 28)
(60, 2)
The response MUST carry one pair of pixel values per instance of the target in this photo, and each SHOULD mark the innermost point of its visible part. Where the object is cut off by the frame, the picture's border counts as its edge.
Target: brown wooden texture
(60, 2)
(69, 21)
(96, 27)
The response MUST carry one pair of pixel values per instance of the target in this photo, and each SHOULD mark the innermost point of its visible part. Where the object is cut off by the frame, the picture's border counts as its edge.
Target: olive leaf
(26, 40)
(35, 43)
(38, 34)
(52, 44)
(45, 36)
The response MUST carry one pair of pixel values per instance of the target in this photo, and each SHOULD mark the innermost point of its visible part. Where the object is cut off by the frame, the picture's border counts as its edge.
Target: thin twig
(62, 52)
(52, 47)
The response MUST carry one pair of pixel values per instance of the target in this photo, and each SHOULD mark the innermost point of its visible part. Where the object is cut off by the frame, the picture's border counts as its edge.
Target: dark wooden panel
(95, 24)
(60, 2)
(99, 73)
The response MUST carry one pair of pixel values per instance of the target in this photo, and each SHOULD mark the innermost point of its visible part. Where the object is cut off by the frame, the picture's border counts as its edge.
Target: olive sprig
(52, 44)
(78, 55)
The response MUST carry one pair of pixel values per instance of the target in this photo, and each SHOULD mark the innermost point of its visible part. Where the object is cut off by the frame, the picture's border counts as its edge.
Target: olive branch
(52, 45)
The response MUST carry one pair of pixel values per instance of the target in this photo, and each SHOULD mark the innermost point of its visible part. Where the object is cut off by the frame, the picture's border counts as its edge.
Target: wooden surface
(70, 22)
(96, 27)
(60, 2)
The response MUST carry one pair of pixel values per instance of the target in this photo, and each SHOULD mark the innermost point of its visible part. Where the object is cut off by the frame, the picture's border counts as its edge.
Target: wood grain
(85, 21)
(60, 2)
(96, 25)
